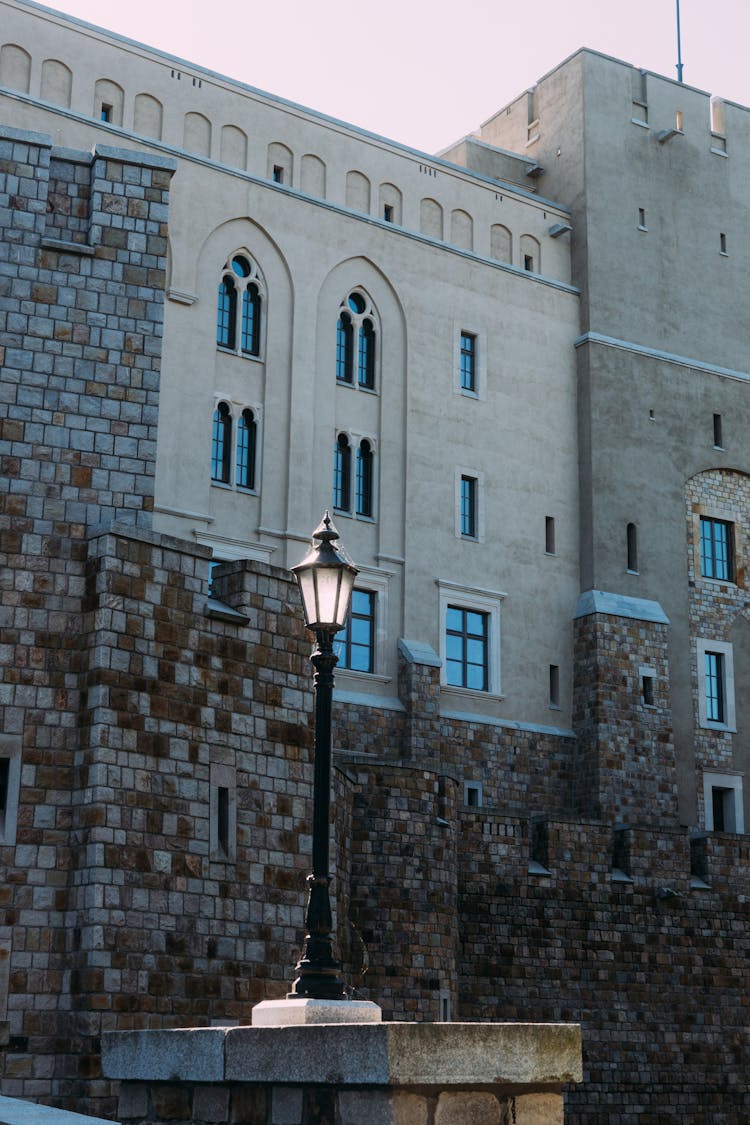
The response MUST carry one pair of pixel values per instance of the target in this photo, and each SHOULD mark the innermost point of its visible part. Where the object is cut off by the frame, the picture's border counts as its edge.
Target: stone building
(516, 371)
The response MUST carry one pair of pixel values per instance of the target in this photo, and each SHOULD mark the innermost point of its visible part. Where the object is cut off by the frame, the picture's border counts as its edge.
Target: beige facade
(608, 328)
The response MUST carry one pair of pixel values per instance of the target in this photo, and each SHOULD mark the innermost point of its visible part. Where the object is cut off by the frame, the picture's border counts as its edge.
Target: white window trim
(375, 582)
(483, 601)
(10, 748)
(223, 777)
(730, 722)
(463, 471)
(235, 412)
(480, 366)
(731, 781)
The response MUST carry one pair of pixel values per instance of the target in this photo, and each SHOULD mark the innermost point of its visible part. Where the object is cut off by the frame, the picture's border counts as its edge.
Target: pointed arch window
(342, 473)
(238, 322)
(364, 479)
(221, 444)
(226, 320)
(247, 440)
(344, 348)
(356, 367)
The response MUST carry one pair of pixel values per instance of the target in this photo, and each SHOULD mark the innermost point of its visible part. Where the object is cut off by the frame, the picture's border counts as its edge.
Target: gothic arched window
(221, 444)
(240, 307)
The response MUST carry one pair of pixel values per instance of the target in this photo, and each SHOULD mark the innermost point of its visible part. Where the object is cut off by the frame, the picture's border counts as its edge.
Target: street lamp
(326, 577)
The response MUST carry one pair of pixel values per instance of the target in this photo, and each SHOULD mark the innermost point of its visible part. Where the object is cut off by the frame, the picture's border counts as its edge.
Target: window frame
(467, 328)
(342, 473)
(364, 479)
(343, 644)
(357, 354)
(462, 475)
(474, 599)
(248, 289)
(725, 781)
(715, 522)
(222, 777)
(706, 647)
(252, 459)
(226, 422)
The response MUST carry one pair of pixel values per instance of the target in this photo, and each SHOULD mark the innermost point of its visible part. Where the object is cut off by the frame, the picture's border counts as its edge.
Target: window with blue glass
(356, 342)
(355, 644)
(714, 687)
(466, 648)
(469, 507)
(364, 479)
(239, 307)
(717, 549)
(344, 349)
(342, 474)
(221, 444)
(247, 437)
(468, 362)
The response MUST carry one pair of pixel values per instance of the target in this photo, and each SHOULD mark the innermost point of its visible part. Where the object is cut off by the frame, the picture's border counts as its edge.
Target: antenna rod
(679, 46)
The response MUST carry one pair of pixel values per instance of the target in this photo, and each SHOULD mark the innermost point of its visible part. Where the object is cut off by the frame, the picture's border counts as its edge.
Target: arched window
(356, 315)
(366, 365)
(227, 313)
(342, 474)
(251, 320)
(344, 348)
(363, 498)
(221, 444)
(240, 306)
(247, 441)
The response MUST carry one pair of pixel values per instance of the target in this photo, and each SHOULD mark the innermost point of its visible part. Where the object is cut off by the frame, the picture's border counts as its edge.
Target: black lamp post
(325, 578)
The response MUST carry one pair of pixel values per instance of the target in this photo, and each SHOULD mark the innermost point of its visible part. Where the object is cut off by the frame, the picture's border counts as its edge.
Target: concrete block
(195, 1055)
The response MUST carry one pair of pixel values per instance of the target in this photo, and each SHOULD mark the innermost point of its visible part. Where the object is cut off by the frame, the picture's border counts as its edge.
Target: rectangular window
(469, 507)
(106, 112)
(718, 436)
(549, 534)
(278, 174)
(355, 645)
(723, 804)
(717, 549)
(722, 243)
(647, 690)
(466, 645)
(642, 218)
(468, 362)
(222, 819)
(528, 263)
(714, 687)
(388, 212)
(554, 685)
(473, 794)
(4, 778)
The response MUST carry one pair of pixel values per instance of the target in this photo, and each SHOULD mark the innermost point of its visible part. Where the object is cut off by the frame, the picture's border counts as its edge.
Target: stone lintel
(509, 1055)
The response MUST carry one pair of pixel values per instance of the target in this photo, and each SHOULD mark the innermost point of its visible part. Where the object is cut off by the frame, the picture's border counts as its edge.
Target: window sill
(470, 693)
(238, 354)
(248, 491)
(720, 728)
(628, 571)
(641, 124)
(354, 674)
(538, 868)
(221, 484)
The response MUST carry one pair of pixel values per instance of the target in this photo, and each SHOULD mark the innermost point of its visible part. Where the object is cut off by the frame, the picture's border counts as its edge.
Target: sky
(426, 72)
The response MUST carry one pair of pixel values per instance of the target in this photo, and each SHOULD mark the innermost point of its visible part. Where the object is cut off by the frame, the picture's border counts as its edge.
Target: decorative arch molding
(109, 98)
(148, 116)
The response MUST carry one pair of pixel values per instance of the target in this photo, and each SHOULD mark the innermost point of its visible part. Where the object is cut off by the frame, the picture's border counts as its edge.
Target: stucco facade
(212, 297)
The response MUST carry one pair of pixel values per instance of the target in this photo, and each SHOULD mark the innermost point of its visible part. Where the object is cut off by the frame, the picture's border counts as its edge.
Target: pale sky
(426, 72)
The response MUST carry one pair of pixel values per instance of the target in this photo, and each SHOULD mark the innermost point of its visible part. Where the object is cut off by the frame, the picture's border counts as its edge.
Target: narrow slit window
(344, 348)
(554, 685)
(364, 480)
(468, 360)
(528, 263)
(251, 321)
(469, 507)
(647, 690)
(388, 212)
(366, 364)
(632, 545)
(549, 535)
(227, 313)
(718, 434)
(642, 218)
(714, 687)
(246, 450)
(278, 174)
(221, 444)
(222, 818)
(342, 469)
(722, 243)
(4, 785)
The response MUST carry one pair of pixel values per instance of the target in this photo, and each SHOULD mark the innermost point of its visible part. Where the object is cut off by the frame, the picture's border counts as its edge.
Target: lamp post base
(283, 1013)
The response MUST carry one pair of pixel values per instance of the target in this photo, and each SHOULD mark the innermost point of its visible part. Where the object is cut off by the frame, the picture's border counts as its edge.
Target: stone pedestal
(354, 1074)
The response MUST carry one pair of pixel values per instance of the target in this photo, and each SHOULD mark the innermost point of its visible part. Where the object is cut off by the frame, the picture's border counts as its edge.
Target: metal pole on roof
(679, 46)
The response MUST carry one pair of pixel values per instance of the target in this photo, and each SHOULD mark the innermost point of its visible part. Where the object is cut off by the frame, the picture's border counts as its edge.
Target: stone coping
(529, 1055)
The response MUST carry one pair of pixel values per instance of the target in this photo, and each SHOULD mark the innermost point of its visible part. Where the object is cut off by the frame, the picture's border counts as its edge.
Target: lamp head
(326, 579)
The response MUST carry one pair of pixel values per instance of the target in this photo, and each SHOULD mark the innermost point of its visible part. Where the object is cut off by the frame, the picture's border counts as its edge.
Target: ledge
(512, 1055)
